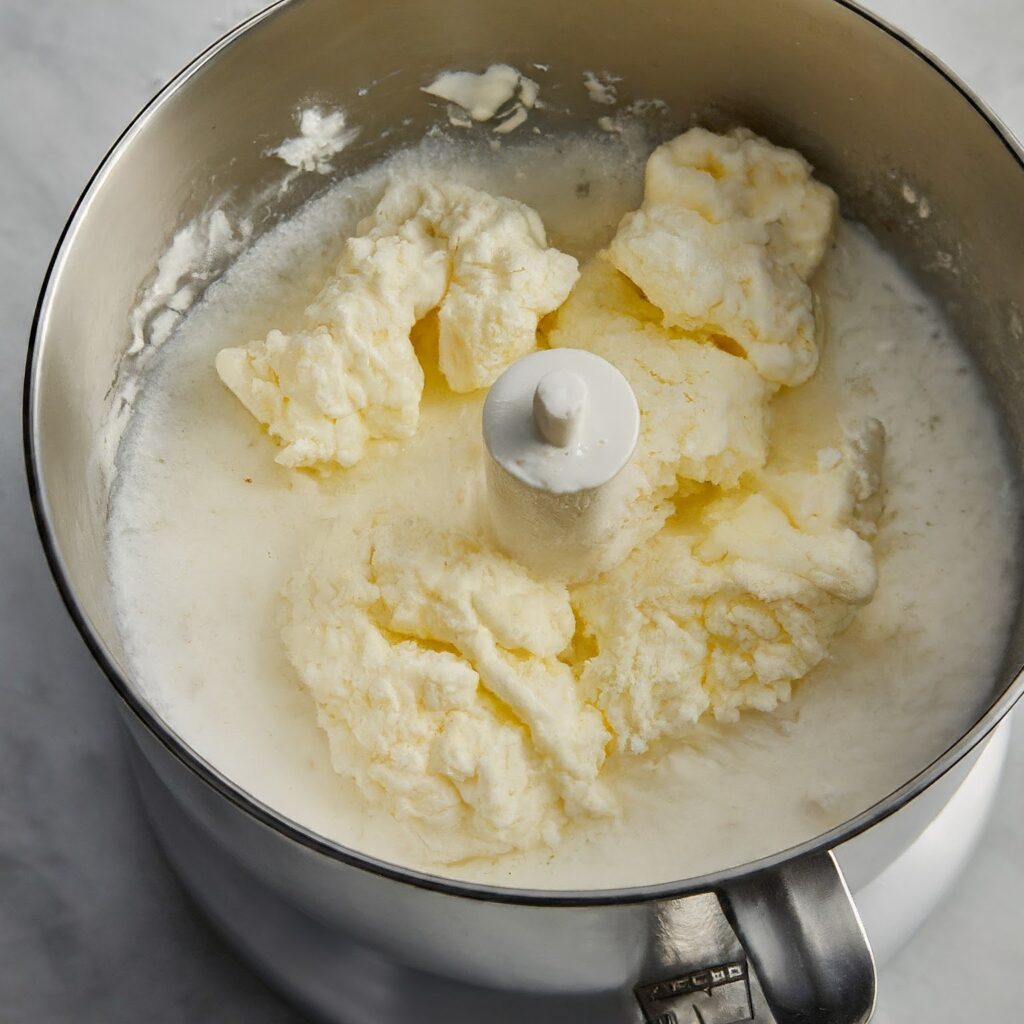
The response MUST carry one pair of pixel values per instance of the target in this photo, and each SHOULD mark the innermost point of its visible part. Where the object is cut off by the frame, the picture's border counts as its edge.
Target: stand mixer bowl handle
(804, 938)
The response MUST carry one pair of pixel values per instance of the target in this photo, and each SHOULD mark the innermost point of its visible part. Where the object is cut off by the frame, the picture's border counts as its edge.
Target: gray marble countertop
(94, 928)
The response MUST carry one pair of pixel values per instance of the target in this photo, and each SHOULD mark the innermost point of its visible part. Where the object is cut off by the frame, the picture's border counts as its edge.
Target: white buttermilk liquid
(206, 528)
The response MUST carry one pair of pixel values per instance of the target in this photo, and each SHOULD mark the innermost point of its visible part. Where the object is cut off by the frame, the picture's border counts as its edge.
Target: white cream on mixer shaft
(559, 426)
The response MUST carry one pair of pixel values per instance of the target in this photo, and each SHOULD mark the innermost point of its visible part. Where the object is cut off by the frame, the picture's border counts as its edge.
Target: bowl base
(338, 981)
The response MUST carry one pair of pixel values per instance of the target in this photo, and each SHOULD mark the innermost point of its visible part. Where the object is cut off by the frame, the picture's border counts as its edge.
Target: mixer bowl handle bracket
(804, 938)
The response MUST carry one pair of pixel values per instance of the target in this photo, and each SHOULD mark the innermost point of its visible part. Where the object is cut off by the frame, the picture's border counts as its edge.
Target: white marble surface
(93, 927)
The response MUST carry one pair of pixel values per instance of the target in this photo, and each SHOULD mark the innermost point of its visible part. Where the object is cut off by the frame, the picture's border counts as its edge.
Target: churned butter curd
(803, 600)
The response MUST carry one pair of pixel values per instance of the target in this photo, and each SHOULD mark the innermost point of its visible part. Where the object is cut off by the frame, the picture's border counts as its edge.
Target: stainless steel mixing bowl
(350, 937)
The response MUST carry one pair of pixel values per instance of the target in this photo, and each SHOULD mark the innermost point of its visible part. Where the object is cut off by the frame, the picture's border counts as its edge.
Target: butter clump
(351, 373)
(477, 702)
(729, 607)
(845, 491)
(730, 230)
(703, 412)
(434, 665)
